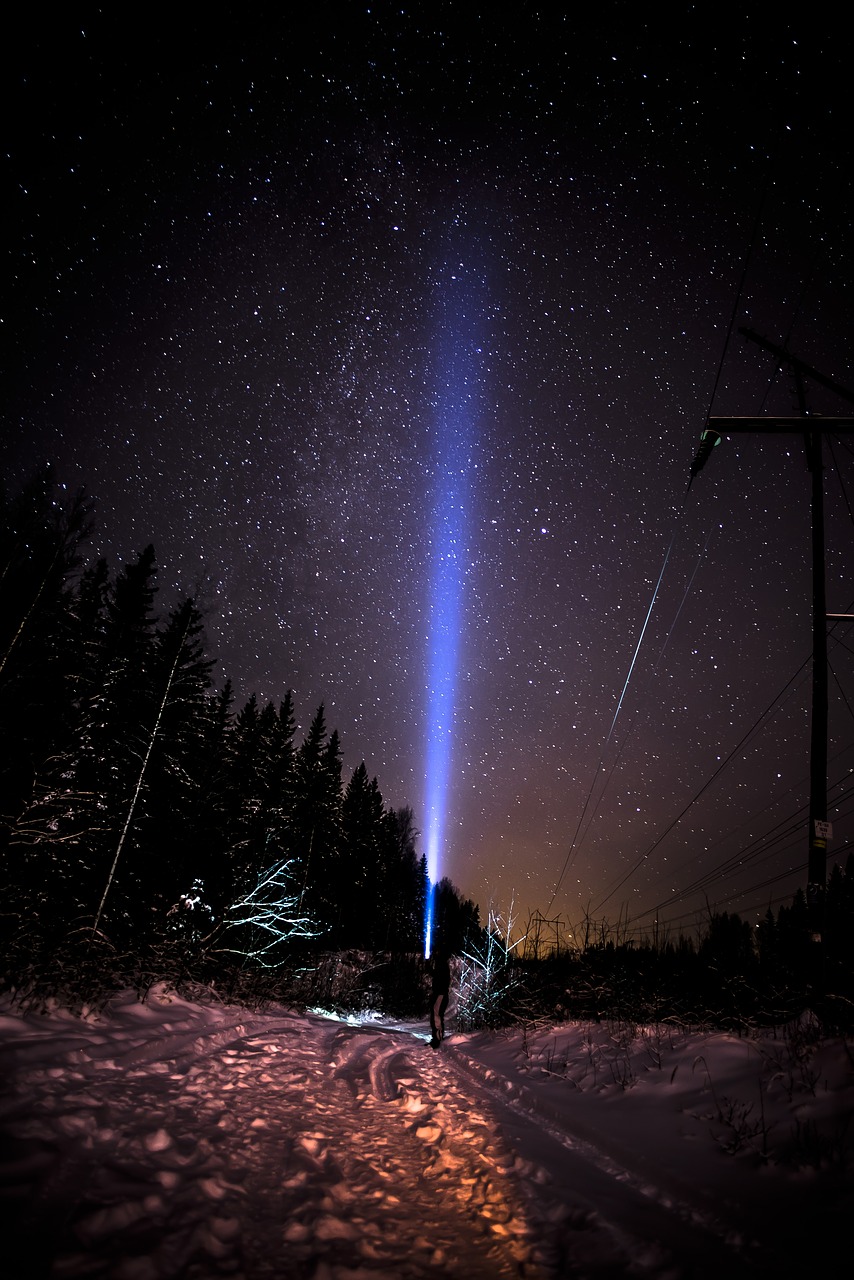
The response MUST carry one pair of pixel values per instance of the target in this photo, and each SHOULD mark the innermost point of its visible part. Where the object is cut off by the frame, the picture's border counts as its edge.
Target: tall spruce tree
(173, 783)
(41, 537)
(210, 812)
(40, 544)
(119, 722)
(361, 850)
(316, 818)
(402, 891)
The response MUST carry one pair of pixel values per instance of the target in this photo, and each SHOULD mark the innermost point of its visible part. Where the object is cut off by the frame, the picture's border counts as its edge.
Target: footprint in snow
(157, 1141)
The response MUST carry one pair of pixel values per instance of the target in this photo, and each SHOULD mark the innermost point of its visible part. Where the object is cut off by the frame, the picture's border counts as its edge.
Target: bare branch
(260, 921)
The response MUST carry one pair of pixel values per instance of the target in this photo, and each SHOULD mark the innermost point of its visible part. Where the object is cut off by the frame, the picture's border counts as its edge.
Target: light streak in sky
(456, 410)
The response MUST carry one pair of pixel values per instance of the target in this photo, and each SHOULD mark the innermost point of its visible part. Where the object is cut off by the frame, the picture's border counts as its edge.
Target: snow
(188, 1139)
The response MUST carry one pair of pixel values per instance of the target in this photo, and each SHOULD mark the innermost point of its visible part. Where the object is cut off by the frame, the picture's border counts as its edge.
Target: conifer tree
(174, 782)
(839, 921)
(210, 814)
(178, 676)
(361, 849)
(316, 816)
(280, 766)
(40, 543)
(457, 919)
(402, 884)
(126, 786)
(244, 800)
(259, 788)
(41, 537)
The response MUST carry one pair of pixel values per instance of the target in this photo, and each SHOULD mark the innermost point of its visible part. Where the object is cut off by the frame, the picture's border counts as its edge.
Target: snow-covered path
(283, 1146)
(302, 1147)
(181, 1140)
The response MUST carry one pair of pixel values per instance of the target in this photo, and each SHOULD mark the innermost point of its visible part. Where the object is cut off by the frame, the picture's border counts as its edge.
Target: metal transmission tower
(813, 430)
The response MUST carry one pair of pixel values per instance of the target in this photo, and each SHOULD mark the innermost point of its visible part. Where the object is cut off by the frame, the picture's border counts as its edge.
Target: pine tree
(41, 537)
(40, 543)
(174, 784)
(280, 767)
(259, 789)
(122, 703)
(793, 940)
(179, 676)
(457, 919)
(402, 891)
(210, 812)
(127, 787)
(839, 926)
(316, 818)
(361, 852)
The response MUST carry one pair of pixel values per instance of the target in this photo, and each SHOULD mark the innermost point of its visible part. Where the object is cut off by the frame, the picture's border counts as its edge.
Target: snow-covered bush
(489, 980)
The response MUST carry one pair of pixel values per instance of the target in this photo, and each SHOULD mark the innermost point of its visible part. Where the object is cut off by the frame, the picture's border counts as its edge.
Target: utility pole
(813, 429)
(534, 942)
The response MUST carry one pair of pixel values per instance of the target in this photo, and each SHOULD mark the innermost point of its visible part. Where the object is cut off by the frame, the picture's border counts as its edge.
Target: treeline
(735, 975)
(140, 809)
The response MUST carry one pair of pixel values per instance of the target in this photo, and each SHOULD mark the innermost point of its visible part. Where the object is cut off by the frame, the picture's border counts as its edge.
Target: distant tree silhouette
(456, 919)
(41, 538)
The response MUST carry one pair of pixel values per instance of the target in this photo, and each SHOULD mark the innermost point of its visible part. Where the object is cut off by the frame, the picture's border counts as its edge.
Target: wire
(753, 728)
(758, 845)
(738, 858)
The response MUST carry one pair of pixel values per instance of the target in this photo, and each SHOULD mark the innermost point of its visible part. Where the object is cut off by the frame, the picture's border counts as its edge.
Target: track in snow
(214, 1145)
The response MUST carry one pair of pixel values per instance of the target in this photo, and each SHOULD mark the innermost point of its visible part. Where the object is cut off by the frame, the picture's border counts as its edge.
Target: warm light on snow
(183, 1139)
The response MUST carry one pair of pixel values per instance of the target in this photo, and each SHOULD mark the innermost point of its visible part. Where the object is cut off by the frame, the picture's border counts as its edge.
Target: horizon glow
(455, 421)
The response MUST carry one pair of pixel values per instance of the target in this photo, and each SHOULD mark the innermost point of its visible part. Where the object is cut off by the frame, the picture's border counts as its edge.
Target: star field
(228, 262)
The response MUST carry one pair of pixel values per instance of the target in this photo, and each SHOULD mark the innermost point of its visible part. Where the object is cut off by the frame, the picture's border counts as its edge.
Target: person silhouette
(440, 989)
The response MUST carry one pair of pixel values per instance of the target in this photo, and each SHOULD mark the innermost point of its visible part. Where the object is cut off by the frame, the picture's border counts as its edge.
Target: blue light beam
(457, 407)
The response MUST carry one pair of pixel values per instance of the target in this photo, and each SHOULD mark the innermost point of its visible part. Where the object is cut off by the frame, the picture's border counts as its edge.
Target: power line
(754, 235)
(745, 738)
(759, 846)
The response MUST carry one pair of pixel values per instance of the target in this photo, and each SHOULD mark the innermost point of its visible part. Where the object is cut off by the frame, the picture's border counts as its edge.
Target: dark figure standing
(439, 992)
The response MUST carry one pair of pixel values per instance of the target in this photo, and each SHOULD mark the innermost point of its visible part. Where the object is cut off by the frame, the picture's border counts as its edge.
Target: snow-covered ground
(177, 1139)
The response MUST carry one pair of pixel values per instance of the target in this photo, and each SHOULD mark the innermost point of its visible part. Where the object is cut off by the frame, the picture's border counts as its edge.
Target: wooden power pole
(813, 430)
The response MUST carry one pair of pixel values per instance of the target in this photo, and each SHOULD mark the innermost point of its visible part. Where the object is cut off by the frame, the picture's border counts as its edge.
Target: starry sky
(321, 303)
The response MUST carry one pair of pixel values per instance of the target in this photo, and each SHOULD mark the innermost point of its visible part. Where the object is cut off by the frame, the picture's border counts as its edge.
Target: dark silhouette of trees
(361, 857)
(457, 919)
(40, 547)
(316, 821)
(139, 809)
(403, 884)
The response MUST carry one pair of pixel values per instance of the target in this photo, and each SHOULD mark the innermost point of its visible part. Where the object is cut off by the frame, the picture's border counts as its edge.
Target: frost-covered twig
(270, 912)
(488, 977)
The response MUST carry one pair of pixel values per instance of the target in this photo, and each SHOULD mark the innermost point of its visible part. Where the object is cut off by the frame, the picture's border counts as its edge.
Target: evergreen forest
(151, 827)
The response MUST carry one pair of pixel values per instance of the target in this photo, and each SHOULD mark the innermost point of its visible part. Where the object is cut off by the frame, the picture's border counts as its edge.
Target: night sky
(395, 329)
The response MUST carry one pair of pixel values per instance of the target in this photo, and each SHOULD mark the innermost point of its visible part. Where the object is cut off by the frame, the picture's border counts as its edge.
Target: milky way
(229, 312)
